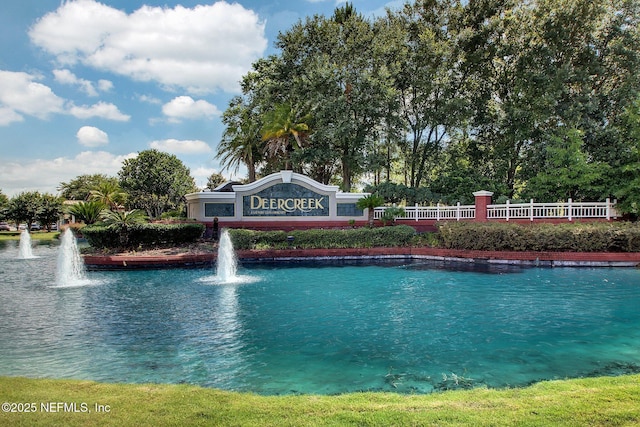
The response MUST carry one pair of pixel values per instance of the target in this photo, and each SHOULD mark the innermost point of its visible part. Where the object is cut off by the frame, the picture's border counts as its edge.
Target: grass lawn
(606, 401)
(35, 235)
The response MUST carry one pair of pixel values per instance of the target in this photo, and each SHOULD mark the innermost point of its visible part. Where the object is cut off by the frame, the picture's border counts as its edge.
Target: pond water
(414, 327)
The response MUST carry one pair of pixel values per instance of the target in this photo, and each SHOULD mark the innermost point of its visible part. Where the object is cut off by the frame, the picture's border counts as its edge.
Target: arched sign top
(286, 177)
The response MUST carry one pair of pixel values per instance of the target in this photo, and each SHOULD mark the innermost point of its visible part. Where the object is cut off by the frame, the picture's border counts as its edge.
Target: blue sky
(86, 84)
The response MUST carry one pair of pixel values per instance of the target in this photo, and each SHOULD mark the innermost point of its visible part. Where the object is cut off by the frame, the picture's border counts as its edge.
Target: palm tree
(109, 193)
(241, 139)
(87, 212)
(370, 202)
(122, 220)
(281, 125)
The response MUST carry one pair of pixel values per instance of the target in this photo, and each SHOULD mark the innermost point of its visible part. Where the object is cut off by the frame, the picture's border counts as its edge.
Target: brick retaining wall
(594, 259)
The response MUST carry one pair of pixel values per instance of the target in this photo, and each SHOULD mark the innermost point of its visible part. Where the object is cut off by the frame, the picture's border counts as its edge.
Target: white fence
(532, 211)
(569, 210)
(434, 213)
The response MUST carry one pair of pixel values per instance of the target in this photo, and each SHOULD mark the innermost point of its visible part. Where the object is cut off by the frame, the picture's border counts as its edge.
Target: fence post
(508, 210)
(608, 209)
(458, 212)
(483, 200)
(531, 211)
(570, 210)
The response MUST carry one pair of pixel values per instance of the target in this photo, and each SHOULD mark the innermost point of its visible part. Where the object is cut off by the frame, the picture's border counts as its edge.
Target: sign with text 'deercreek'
(285, 199)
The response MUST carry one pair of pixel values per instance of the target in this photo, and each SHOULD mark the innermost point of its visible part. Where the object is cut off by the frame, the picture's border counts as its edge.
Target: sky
(85, 84)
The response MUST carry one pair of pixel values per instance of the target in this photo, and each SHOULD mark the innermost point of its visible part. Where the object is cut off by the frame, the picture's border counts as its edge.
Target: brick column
(483, 199)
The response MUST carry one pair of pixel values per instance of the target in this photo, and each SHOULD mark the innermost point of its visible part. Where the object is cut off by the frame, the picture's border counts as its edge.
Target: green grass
(605, 401)
(35, 235)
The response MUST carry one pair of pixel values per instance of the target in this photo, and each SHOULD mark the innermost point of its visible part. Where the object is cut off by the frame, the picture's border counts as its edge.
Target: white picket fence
(532, 211)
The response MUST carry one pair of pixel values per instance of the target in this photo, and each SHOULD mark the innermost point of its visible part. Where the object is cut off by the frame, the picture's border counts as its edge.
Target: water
(227, 263)
(26, 251)
(70, 269)
(310, 328)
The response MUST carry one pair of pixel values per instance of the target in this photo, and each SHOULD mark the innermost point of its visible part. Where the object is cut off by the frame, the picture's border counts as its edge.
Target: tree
(329, 65)
(430, 74)
(80, 187)
(282, 125)
(156, 182)
(50, 210)
(87, 212)
(122, 221)
(241, 140)
(4, 202)
(108, 193)
(215, 180)
(370, 202)
(24, 208)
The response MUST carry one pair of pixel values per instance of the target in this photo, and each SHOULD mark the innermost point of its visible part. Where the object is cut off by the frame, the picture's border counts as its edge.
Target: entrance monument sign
(282, 196)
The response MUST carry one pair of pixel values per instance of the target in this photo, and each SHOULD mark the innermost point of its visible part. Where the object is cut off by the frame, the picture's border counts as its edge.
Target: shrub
(143, 235)
(577, 237)
(401, 235)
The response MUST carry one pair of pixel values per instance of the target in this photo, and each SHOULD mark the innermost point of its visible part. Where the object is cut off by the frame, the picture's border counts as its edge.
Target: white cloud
(149, 99)
(105, 85)
(184, 107)
(8, 116)
(90, 136)
(200, 49)
(175, 146)
(21, 94)
(68, 78)
(101, 109)
(45, 175)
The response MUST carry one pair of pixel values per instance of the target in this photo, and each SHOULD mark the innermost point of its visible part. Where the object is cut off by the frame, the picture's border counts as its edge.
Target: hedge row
(400, 235)
(142, 235)
(581, 237)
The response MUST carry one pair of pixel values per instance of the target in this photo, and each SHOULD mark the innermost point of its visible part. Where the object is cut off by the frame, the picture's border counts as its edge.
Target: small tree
(50, 210)
(87, 212)
(215, 179)
(25, 207)
(109, 194)
(370, 202)
(122, 221)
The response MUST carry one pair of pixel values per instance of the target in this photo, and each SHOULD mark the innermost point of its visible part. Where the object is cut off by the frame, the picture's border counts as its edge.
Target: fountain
(70, 270)
(26, 251)
(227, 263)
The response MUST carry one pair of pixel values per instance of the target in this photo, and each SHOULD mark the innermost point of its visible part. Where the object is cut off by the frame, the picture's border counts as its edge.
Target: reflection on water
(405, 327)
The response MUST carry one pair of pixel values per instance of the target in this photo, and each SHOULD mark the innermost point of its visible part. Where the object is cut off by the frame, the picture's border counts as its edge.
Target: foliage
(523, 99)
(87, 212)
(51, 208)
(215, 180)
(370, 202)
(391, 214)
(109, 194)
(80, 187)
(593, 237)
(323, 239)
(123, 219)
(29, 207)
(142, 235)
(281, 126)
(156, 182)
(241, 140)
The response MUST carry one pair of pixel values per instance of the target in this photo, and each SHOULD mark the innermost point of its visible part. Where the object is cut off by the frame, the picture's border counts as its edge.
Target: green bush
(576, 237)
(142, 235)
(401, 235)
